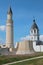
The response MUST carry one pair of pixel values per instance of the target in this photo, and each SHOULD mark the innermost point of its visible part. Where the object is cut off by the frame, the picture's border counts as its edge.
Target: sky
(24, 11)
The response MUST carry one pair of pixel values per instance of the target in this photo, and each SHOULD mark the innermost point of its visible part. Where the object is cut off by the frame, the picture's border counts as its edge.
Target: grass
(32, 62)
(13, 58)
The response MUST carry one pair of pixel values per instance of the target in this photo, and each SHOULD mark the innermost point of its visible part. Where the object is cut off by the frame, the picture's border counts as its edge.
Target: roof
(9, 10)
(39, 43)
(34, 25)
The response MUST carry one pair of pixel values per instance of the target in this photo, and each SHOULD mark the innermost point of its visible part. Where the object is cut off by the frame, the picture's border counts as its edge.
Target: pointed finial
(33, 19)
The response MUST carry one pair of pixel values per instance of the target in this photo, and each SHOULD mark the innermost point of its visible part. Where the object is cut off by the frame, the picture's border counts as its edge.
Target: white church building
(34, 35)
(32, 45)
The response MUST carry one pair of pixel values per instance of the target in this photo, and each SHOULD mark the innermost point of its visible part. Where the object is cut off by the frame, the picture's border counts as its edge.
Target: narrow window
(34, 31)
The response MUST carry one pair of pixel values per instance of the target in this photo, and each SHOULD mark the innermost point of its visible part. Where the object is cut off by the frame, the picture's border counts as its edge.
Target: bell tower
(9, 29)
(34, 32)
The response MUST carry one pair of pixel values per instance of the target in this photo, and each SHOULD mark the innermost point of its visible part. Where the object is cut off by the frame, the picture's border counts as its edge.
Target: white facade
(37, 48)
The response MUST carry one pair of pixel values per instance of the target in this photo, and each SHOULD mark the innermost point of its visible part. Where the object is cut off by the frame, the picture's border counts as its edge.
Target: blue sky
(23, 13)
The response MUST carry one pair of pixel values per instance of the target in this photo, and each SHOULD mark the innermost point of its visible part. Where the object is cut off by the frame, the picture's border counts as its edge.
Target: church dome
(34, 25)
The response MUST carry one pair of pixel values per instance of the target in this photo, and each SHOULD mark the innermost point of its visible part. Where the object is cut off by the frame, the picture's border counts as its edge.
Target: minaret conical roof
(9, 10)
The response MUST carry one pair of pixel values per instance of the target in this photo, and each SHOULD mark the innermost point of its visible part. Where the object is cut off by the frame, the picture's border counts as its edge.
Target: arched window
(34, 30)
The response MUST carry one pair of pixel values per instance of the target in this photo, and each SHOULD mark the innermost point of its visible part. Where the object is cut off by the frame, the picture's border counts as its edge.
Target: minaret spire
(9, 13)
(10, 10)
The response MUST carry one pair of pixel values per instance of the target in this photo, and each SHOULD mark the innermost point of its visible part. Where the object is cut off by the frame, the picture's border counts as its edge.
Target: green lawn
(13, 58)
(32, 62)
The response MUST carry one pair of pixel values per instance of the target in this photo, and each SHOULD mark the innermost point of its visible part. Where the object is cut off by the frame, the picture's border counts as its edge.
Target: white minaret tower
(34, 32)
(9, 29)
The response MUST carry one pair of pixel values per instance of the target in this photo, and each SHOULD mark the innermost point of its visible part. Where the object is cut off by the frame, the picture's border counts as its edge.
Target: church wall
(41, 46)
(37, 48)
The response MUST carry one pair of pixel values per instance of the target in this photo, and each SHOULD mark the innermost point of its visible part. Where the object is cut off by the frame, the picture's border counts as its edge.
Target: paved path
(24, 60)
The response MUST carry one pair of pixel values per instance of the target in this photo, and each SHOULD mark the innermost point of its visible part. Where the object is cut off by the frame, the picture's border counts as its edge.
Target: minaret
(9, 29)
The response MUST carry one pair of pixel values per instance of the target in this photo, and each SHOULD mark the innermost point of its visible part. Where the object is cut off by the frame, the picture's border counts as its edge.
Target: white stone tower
(9, 29)
(34, 32)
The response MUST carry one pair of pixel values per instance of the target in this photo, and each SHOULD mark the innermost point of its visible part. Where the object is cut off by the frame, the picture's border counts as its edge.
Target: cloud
(41, 37)
(28, 37)
(2, 27)
(25, 38)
